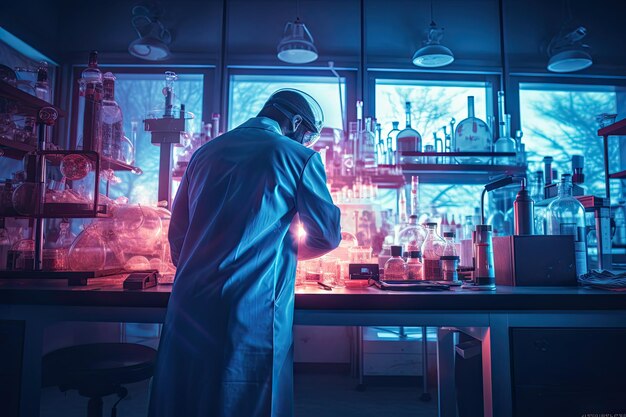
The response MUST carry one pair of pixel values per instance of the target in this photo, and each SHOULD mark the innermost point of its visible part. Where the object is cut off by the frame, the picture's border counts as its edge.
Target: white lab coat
(226, 346)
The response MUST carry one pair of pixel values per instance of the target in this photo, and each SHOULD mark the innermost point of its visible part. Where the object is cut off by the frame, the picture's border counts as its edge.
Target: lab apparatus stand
(166, 131)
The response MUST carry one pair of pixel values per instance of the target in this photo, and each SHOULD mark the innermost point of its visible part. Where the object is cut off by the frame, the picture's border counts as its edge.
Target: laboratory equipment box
(538, 261)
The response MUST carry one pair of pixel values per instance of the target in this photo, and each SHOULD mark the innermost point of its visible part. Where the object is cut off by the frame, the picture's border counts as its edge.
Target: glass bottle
(468, 227)
(449, 248)
(392, 143)
(89, 129)
(432, 249)
(412, 236)
(368, 146)
(41, 86)
(445, 224)
(409, 139)
(505, 142)
(112, 120)
(395, 267)
(566, 216)
(471, 135)
(414, 265)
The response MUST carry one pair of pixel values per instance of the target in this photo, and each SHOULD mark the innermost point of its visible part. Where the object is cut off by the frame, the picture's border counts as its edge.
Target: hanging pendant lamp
(153, 38)
(568, 53)
(433, 54)
(296, 46)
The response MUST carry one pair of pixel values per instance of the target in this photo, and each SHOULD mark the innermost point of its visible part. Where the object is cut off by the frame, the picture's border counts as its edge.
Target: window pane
(248, 93)
(560, 121)
(434, 103)
(138, 94)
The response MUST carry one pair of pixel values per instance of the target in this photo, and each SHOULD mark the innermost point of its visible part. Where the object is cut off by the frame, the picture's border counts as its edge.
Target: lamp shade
(432, 56)
(569, 61)
(153, 37)
(567, 52)
(149, 48)
(296, 45)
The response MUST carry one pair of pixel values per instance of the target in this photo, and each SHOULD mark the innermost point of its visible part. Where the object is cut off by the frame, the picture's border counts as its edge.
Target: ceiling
(393, 29)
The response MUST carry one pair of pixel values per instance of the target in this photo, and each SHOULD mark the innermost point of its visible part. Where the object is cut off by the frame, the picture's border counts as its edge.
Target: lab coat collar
(264, 123)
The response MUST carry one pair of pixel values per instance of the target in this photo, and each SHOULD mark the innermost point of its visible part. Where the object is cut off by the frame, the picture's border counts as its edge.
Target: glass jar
(360, 254)
(395, 267)
(566, 216)
(414, 266)
(432, 249)
(449, 248)
(449, 265)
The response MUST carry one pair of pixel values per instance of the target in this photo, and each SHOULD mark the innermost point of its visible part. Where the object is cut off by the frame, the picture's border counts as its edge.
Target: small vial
(414, 266)
(395, 267)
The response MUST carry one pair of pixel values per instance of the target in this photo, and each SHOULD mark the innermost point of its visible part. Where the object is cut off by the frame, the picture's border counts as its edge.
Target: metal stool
(97, 370)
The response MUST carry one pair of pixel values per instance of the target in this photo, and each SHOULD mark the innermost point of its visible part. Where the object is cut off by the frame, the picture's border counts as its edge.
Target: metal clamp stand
(166, 131)
(46, 117)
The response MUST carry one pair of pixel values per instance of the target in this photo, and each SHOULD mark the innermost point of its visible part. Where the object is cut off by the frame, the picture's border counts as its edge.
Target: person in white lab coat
(226, 346)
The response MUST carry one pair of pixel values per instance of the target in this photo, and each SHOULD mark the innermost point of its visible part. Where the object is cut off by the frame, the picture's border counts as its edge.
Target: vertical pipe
(607, 180)
(362, 65)
(221, 70)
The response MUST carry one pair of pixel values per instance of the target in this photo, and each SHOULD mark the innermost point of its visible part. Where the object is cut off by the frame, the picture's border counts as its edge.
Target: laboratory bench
(497, 319)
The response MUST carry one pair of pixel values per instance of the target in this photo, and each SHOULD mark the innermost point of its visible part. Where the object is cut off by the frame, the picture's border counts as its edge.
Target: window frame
(350, 75)
(619, 82)
(491, 99)
(207, 73)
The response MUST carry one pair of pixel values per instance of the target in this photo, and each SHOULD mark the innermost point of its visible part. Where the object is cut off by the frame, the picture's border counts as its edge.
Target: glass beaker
(360, 254)
(329, 265)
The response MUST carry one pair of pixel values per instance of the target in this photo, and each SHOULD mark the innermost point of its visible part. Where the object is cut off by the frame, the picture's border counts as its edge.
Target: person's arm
(318, 215)
(179, 224)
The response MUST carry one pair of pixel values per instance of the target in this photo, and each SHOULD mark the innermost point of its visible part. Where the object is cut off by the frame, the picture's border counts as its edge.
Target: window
(137, 95)
(559, 120)
(434, 104)
(248, 93)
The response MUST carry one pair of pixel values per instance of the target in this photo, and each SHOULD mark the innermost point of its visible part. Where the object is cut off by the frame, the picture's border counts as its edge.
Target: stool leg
(94, 407)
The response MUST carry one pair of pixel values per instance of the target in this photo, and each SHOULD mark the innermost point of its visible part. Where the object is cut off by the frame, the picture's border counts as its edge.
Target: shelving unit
(46, 114)
(616, 129)
(449, 173)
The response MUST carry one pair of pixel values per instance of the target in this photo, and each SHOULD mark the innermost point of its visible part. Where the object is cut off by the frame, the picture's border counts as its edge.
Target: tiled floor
(316, 395)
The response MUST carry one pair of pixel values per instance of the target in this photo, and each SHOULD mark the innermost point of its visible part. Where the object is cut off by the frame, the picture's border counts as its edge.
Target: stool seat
(97, 369)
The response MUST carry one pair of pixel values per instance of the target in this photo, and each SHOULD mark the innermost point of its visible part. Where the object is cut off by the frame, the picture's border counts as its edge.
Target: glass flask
(412, 236)
(414, 266)
(408, 139)
(432, 249)
(471, 135)
(395, 267)
(88, 252)
(138, 227)
(566, 216)
(505, 142)
(75, 166)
